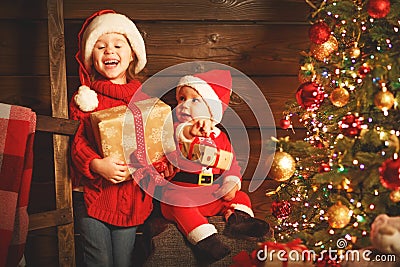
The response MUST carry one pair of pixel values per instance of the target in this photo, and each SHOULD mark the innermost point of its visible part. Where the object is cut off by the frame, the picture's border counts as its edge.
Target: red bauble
(350, 125)
(390, 174)
(310, 95)
(378, 8)
(285, 123)
(281, 209)
(364, 70)
(324, 167)
(319, 32)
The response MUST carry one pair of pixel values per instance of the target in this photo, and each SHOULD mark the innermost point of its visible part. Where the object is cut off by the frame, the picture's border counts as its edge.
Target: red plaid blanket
(17, 128)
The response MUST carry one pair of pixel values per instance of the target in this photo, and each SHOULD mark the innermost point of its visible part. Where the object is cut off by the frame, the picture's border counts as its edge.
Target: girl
(107, 208)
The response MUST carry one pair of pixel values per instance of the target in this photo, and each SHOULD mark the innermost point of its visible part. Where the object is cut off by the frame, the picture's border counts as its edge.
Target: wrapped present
(118, 135)
(204, 151)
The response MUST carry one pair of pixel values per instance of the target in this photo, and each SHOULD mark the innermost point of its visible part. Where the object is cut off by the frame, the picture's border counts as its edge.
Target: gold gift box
(114, 130)
(208, 155)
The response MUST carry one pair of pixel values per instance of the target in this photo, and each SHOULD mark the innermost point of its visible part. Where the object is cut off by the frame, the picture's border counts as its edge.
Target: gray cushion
(170, 247)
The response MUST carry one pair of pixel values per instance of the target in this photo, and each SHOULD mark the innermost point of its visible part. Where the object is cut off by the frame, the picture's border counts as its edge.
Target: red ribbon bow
(205, 141)
(138, 158)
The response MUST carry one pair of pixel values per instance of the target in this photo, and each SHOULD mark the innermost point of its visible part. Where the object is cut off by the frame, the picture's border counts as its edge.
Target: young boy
(193, 195)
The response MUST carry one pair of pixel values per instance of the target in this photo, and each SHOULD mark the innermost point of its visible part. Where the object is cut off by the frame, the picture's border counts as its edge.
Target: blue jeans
(102, 244)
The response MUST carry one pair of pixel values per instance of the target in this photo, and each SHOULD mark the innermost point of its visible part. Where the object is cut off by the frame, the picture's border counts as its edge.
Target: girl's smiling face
(112, 55)
(191, 105)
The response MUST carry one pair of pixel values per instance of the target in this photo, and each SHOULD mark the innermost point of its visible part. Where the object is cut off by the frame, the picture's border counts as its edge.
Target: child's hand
(111, 169)
(169, 172)
(201, 127)
(227, 190)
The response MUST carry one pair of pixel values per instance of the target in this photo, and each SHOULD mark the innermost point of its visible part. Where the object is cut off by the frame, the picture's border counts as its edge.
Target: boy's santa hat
(214, 86)
(101, 22)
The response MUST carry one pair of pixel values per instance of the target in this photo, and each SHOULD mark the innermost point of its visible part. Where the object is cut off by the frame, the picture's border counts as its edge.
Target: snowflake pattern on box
(156, 112)
(155, 135)
(110, 132)
(157, 156)
(106, 148)
(129, 141)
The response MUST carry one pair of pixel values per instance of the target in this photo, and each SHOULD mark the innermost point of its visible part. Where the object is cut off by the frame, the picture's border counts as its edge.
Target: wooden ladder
(62, 128)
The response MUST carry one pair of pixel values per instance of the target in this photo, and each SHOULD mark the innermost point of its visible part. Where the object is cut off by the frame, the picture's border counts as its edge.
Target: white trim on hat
(113, 23)
(207, 92)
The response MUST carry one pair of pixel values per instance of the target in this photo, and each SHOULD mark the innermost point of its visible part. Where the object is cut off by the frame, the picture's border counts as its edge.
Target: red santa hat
(214, 86)
(101, 22)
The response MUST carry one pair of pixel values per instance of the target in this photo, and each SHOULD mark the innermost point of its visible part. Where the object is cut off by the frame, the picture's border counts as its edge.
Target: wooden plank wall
(261, 38)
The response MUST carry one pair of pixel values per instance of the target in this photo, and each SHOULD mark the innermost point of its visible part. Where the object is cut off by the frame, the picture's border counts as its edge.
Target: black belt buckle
(206, 179)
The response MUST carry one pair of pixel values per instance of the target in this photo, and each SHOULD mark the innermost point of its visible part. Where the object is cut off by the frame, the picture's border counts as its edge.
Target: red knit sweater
(122, 204)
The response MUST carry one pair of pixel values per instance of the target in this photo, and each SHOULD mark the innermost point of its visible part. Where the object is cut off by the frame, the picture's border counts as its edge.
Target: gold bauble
(324, 50)
(384, 100)
(394, 142)
(282, 167)
(354, 52)
(395, 196)
(339, 97)
(338, 215)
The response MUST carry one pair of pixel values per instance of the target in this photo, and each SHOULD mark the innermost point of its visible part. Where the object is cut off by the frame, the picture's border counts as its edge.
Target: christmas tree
(346, 171)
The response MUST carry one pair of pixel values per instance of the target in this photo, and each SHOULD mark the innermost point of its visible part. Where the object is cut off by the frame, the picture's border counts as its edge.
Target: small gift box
(207, 154)
(118, 135)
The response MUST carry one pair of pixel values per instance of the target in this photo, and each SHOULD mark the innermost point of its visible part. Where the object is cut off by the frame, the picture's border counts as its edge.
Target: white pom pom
(86, 99)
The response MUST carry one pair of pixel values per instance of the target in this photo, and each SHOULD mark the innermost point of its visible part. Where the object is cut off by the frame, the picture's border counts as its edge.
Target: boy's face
(191, 105)
(112, 55)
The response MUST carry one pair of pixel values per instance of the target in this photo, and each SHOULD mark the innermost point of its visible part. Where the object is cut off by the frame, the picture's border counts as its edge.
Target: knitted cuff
(243, 208)
(179, 133)
(82, 160)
